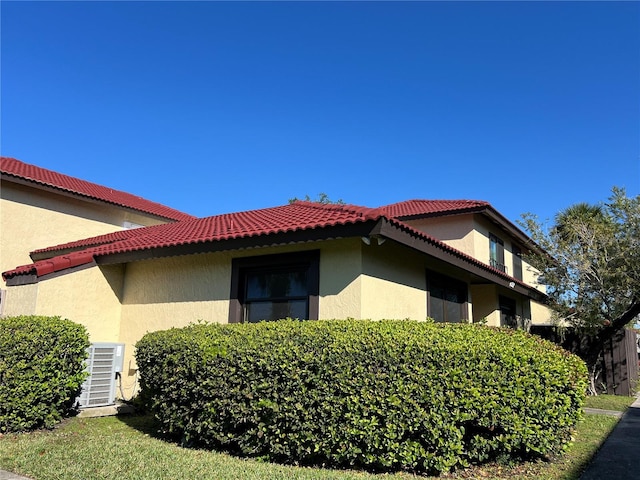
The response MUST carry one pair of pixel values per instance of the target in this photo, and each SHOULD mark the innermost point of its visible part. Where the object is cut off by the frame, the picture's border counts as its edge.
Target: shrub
(41, 370)
(386, 395)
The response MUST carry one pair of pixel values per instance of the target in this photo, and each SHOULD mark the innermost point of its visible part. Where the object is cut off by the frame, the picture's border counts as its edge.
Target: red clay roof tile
(300, 215)
(41, 176)
(287, 218)
(414, 208)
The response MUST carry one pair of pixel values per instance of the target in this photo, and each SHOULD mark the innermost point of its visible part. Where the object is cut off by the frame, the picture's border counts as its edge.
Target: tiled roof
(41, 176)
(297, 216)
(413, 208)
(287, 218)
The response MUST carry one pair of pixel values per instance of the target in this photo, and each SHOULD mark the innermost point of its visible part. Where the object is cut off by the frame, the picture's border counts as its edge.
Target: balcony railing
(498, 266)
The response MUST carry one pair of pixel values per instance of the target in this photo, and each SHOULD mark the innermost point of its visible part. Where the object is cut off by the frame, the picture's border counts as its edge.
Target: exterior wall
(456, 231)
(485, 304)
(541, 314)
(173, 292)
(481, 231)
(20, 300)
(120, 303)
(95, 305)
(341, 283)
(469, 233)
(393, 283)
(31, 218)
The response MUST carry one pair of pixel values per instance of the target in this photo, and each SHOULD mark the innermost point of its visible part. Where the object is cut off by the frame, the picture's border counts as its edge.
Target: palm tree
(572, 223)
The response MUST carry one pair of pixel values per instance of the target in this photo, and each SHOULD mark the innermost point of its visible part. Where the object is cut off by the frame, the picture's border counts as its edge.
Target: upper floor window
(517, 262)
(496, 253)
(130, 225)
(272, 287)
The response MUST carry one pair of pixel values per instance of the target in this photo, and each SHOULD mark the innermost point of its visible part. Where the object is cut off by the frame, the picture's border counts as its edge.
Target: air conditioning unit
(105, 360)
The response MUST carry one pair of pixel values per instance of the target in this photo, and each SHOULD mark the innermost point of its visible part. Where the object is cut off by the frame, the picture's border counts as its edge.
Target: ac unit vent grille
(99, 389)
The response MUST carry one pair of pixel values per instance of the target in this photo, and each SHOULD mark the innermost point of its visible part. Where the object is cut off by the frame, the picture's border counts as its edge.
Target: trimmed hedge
(41, 370)
(384, 395)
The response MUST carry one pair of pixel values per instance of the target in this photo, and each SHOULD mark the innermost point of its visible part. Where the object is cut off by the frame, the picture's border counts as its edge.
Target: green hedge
(41, 370)
(387, 395)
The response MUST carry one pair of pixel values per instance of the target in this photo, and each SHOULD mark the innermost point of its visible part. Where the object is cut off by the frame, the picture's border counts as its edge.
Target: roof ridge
(438, 200)
(425, 207)
(363, 211)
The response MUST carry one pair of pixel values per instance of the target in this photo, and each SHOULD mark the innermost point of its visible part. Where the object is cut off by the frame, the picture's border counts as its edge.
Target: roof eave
(403, 234)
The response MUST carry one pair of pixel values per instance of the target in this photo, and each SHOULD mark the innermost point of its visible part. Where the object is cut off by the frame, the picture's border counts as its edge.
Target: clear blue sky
(212, 107)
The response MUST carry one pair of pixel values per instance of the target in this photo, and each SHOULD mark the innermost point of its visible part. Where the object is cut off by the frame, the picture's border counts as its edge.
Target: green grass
(609, 402)
(125, 448)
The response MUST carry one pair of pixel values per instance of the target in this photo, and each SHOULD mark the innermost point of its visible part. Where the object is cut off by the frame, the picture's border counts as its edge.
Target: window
(447, 299)
(508, 317)
(130, 225)
(272, 287)
(496, 253)
(517, 262)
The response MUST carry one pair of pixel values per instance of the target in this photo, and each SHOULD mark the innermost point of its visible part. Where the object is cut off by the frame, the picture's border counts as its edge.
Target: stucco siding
(456, 231)
(173, 292)
(31, 219)
(20, 300)
(481, 241)
(541, 314)
(393, 283)
(485, 304)
(87, 296)
(481, 231)
(341, 284)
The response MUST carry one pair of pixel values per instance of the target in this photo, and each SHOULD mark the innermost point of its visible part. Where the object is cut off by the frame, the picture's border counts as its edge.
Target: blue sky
(212, 107)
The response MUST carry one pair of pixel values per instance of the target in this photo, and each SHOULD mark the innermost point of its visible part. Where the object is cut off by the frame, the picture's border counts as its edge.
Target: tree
(591, 266)
(321, 198)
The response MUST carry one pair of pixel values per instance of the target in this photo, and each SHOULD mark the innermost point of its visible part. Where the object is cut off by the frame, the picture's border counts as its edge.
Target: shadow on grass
(570, 466)
(145, 423)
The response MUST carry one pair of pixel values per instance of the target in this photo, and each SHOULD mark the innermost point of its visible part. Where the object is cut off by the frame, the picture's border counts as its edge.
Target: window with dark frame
(517, 262)
(272, 287)
(496, 253)
(508, 317)
(447, 299)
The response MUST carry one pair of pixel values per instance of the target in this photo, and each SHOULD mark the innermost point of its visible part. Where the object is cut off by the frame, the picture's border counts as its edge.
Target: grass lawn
(609, 402)
(125, 448)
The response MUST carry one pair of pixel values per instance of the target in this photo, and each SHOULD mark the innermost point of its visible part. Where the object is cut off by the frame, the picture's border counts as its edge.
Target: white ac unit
(105, 360)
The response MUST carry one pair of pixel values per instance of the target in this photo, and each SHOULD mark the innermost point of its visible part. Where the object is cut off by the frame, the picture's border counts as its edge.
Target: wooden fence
(619, 367)
(620, 363)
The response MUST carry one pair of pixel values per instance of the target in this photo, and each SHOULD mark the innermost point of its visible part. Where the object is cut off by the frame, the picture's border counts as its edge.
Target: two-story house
(454, 261)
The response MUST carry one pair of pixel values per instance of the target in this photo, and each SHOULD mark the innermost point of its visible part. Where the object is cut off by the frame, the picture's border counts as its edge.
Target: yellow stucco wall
(20, 300)
(120, 303)
(485, 304)
(541, 314)
(31, 219)
(481, 246)
(469, 233)
(341, 284)
(456, 231)
(393, 282)
(88, 296)
(172, 292)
